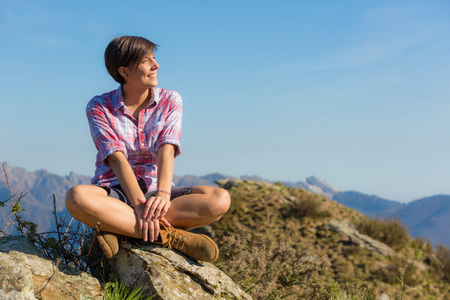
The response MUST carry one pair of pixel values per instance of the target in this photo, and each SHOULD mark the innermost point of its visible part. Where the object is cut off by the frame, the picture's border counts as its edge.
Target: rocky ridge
(26, 274)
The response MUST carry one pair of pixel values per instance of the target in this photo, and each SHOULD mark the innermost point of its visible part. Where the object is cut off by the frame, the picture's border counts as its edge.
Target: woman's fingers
(165, 222)
(140, 224)
(155, 231)
(156, 208)
(145, 231)
(145, 214)
(159, 209)
(163, 210)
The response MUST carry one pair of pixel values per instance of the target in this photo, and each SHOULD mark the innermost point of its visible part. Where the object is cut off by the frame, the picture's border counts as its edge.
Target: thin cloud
(384, 33)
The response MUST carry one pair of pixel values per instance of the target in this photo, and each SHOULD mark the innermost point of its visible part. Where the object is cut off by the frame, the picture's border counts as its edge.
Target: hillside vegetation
(276, 243)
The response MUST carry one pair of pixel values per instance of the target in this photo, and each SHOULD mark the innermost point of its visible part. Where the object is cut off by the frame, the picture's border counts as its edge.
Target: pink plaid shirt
(113, 128)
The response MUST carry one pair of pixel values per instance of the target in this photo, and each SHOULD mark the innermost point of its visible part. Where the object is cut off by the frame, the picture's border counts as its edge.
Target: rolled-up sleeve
(171, 131)
(104, 137)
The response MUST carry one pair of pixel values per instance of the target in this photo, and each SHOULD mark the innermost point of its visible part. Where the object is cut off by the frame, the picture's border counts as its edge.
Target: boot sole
(104, 245)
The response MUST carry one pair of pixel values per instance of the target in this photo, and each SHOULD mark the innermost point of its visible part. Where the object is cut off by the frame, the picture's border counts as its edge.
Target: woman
(136, 130)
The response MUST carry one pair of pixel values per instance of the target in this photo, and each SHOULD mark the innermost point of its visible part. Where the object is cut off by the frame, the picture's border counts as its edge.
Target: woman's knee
(76, 199)
(220, 202)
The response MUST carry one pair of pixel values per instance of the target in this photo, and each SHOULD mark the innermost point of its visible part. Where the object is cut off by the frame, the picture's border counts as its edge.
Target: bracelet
(163, 191)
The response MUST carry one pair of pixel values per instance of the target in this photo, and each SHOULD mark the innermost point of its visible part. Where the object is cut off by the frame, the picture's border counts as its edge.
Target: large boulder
(360, 239)
(171, 275)
(26, 274)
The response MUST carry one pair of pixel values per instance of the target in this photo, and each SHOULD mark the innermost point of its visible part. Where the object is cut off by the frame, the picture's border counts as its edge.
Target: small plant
(350, 291)
(119, 291)
(280, 272)
(14, 213)
(68, 244)
(409, 275)
(404, 286)
(389, 231)
(443, 254)
(308, 207)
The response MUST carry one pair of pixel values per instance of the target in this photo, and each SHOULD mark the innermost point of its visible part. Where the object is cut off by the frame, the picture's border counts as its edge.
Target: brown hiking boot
(196, 246)
(109, 242)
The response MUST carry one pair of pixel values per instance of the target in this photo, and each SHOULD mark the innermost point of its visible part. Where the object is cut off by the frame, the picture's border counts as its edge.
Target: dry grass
(308, 207)
(389, 231)
(272, 273)
(443, 254)
(295, 218)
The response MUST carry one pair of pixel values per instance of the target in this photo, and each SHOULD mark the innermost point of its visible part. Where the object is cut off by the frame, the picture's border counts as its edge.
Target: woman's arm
(157, 207)
(126, 177)
(166, 157)
(127, 180)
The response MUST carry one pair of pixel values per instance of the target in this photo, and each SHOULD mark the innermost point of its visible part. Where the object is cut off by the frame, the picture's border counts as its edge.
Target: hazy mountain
(202, 180)
(39, 187)
(369, 205)
(428, 217)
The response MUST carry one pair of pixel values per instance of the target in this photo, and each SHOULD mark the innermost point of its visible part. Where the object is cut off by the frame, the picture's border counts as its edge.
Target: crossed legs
(90, 204)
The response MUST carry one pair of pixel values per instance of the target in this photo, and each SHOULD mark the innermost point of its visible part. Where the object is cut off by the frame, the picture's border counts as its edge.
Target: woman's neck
(133, 97)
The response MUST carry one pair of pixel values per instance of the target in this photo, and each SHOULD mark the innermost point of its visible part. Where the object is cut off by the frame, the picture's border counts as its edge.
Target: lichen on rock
(26, 274)
(171, 275)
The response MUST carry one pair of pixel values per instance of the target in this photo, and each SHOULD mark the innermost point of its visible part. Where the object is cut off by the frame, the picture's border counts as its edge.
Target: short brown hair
(126, 51)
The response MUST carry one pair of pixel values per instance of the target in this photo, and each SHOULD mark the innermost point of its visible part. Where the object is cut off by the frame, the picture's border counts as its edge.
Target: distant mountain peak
(323, 185)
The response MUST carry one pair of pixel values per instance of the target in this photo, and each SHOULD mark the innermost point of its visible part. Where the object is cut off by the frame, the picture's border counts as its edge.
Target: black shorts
(117, 192)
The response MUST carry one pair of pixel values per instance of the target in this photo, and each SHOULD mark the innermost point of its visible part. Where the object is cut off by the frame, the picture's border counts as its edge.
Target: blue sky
(353, 92)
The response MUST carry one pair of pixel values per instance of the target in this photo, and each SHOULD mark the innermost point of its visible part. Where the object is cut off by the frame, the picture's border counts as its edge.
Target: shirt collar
(118, 99)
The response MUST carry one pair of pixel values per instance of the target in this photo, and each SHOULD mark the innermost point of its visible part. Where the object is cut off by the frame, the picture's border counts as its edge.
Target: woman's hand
(149, 213)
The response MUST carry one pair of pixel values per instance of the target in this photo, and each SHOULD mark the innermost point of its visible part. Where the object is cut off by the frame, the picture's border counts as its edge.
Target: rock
(172, 275)
(359, 239)
(383, 296)
(229, 183)
(420, 266)
(26, 274)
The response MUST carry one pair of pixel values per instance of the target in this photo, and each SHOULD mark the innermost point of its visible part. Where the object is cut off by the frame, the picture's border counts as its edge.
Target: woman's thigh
(91, 204)
(206, 200)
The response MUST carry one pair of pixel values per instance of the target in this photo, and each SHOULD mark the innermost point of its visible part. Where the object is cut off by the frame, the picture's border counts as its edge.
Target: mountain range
(428, 218)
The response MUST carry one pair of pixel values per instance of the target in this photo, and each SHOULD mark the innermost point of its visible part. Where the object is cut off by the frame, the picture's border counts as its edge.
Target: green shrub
(350, 291)
(443, 254)
(389, 231)
(390, 274)
(306, 206)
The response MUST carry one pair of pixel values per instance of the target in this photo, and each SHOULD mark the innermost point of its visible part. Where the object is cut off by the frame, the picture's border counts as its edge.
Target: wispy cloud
(384, 33)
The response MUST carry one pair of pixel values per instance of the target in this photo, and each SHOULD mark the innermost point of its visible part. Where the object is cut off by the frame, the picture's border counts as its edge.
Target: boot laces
(174, 240)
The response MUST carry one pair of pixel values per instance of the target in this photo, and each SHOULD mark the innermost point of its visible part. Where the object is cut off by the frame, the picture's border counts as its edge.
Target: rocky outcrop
(172, 275)
(26, 274)
(360, 239)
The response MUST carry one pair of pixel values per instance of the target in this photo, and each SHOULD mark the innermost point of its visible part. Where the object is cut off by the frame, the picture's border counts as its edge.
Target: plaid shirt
(113, 128)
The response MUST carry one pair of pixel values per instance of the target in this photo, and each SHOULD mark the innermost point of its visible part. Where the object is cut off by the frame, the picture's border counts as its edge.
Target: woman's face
(144, 74)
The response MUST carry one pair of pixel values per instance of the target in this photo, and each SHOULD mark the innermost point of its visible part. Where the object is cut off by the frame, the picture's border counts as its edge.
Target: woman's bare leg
(203, 206)
(91, 205)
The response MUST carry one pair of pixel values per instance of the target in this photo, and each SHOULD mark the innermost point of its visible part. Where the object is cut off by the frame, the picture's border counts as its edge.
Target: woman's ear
(123, 71)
